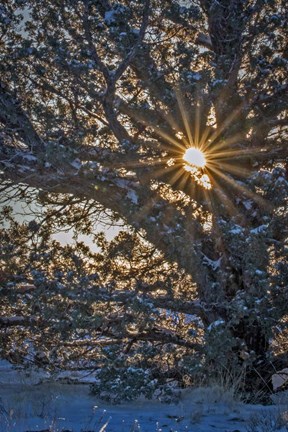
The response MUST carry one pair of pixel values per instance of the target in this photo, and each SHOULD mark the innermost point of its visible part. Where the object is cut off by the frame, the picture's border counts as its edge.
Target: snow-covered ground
(27, 404)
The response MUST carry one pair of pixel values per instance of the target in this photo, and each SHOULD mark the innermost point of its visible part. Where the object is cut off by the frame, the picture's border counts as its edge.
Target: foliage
(98, 103)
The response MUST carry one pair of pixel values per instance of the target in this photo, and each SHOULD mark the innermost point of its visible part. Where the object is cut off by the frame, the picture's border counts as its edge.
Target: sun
(194, 163)
(195, 157)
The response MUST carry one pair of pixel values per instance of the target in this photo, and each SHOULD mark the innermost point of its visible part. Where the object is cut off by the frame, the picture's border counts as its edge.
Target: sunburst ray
(185, 119)
(244, 190)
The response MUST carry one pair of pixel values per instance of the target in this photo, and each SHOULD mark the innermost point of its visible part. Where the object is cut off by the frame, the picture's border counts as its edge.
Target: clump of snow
(237, 229)
(27, 156)
(196, 76)
(248, 204)
(218, 82)
(76, 163)
(215, 324)
(135, 31)
(110, 17)
(259, 230)
(279, 379)
(132, 196)
(214, 264)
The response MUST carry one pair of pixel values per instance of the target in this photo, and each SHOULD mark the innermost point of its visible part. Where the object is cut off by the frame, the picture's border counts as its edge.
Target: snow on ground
(27, 404)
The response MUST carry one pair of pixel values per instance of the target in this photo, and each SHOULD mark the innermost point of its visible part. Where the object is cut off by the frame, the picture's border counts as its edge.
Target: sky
(23, 213)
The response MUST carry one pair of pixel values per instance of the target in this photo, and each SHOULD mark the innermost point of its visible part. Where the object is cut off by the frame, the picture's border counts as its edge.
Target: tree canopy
(99, 102)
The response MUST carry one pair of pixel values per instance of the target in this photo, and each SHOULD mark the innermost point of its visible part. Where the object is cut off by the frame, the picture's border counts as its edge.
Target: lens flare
(194, 157)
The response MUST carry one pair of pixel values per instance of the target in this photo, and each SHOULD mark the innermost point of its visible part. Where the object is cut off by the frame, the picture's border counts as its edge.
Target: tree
(99, 102)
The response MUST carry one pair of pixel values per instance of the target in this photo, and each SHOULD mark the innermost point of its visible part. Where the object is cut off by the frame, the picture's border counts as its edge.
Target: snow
(280, 378)
(132, 196)
(215, 324)
(135, 31)
(217, 82)
(24, 168)
(236, 230)
(76, 163)
(281, 180)
(77, 376)
(259, 230)
(27, 404)
(152, 219)
(196, 76)
(122, 183)
(214, 264)
(27, 156)
(12, 376)
(259, 272)
(248, 204)
(110, 17)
